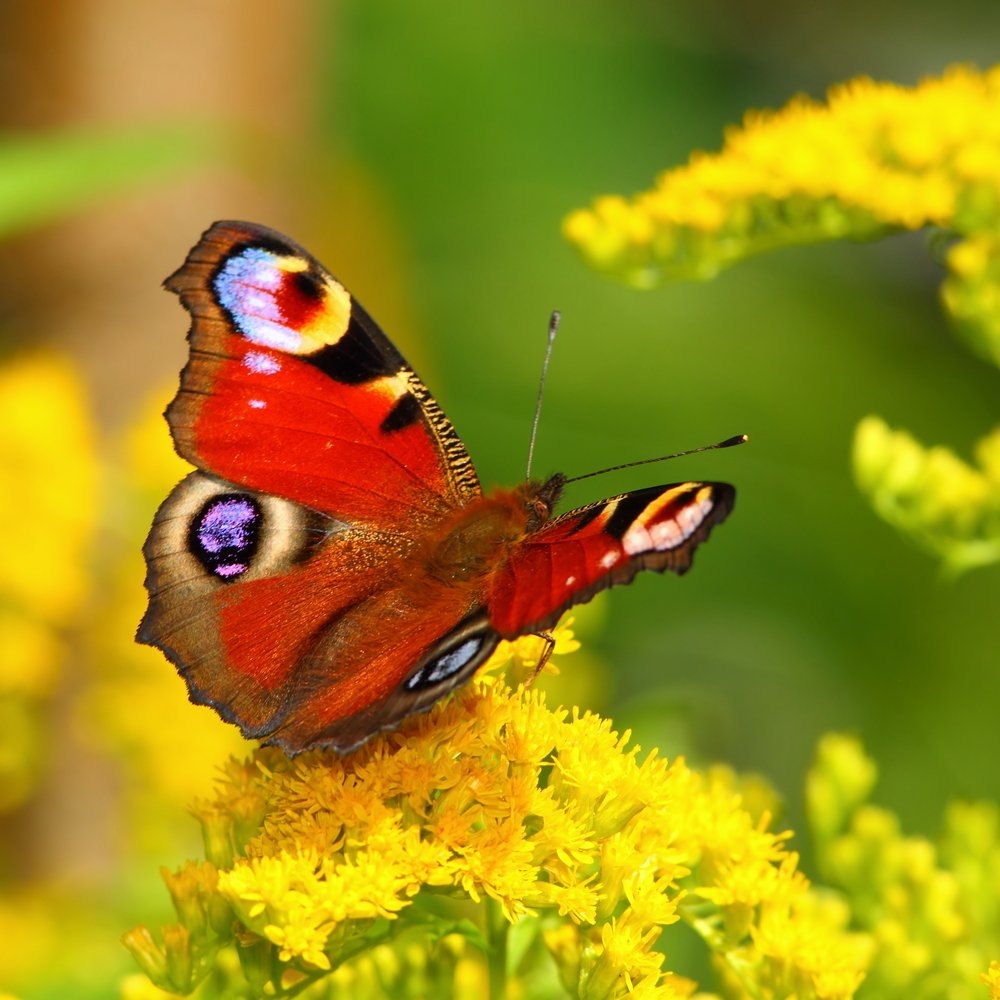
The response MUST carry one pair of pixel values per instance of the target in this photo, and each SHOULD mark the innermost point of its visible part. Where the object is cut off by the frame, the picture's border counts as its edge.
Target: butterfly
(333, 564)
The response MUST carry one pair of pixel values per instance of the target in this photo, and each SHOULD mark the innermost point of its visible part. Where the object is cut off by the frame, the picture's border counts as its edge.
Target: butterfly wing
(292, 389)
(601, 545)
(300, 629)
(273, 571)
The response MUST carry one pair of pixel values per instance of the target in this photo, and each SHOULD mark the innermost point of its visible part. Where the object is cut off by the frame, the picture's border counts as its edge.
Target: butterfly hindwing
(274, 615)
(569, 559)
(292, 388)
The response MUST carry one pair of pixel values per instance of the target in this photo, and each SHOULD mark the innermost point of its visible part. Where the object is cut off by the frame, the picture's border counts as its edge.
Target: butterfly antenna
(728, 443)
(553, 327)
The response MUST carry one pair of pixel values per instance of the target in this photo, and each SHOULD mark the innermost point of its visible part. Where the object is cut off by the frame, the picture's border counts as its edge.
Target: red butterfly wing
(292, 389)
(568, 560)
(300, 629)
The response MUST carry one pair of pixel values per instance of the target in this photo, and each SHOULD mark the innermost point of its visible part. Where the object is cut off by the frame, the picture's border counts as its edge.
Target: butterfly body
(333, 565)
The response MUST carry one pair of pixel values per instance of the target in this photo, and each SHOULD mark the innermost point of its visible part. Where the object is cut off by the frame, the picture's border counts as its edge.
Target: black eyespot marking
(307, 285)
(405, 413)
(628, 509)
(353, 359)
(446, 664)
(225, 533)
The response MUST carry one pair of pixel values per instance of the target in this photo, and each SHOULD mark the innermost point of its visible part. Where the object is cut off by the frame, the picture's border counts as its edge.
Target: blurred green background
(427, 154)
(804, 613)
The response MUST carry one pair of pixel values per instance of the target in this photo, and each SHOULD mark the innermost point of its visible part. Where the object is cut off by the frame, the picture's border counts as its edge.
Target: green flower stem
(497, 930)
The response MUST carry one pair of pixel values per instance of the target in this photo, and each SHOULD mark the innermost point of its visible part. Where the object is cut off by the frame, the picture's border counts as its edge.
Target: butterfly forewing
(589, 549)
(291, 388)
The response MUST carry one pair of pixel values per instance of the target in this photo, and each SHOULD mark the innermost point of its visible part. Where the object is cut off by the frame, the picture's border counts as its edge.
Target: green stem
(497, 928)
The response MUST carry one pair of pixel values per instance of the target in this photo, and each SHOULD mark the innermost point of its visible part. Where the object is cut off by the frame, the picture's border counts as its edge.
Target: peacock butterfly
(333, 565)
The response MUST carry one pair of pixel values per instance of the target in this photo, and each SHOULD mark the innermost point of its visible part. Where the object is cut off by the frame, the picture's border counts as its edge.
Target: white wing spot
(260, 363)
(637, 539)
(570, 580)
(609, 559)
(257, 404)
(666, 534)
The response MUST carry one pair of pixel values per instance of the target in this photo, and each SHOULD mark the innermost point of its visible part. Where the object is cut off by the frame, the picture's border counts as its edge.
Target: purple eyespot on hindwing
(225, 533)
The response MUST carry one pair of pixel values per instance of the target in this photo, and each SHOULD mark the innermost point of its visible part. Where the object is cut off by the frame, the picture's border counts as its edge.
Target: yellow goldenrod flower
(138, 987)
(490, 819)
(931, 909)
(840, 781)
(946, 506)
(47, 447)
(992, 979)
(874, 157)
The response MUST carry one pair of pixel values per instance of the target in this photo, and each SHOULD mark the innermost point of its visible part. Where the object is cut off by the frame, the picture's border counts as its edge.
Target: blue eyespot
(225, 534)
(447, 664)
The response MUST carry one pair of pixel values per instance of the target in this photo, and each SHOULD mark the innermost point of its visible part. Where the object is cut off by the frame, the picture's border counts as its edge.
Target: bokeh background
(427, 154)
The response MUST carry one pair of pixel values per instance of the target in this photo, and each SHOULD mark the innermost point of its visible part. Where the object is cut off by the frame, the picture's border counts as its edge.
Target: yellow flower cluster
(945, 505)
(992, 979)
(498, 819)
(47, 448)
(68, 612)
(931, 909)
(874, 157)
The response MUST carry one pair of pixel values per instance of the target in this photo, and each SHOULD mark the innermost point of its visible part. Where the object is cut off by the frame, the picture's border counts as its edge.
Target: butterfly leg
(550, 645)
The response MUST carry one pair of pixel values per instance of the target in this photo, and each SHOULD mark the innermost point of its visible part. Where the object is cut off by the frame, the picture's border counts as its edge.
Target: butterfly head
(540, 499)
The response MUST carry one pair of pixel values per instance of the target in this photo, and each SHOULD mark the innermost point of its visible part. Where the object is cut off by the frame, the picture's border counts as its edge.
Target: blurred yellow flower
(945, 505)
(931, 908)
(875, 157)
(992, 979)
(47, 447)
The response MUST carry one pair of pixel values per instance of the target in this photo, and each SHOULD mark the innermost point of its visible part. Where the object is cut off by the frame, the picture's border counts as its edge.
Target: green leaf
(43, 177)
